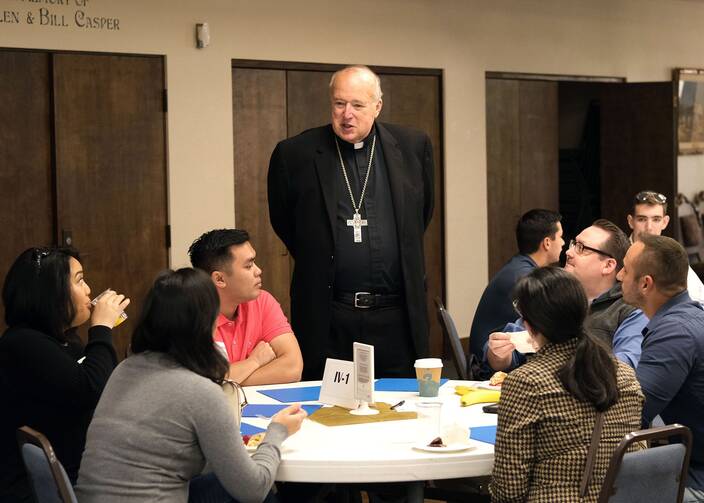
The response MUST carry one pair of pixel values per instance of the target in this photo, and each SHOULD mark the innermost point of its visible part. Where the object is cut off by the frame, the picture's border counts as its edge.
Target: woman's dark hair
(178, 318)
(37, 291)
(553, 302)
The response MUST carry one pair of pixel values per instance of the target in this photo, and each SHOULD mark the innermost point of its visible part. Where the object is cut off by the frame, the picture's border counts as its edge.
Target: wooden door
(522, 158)
(638, 148)
(111, 171)
(308, 101)
(259, 115)
(408, 99)
(26, 186)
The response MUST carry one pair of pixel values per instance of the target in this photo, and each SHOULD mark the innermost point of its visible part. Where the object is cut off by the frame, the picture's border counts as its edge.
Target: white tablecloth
(378, 452)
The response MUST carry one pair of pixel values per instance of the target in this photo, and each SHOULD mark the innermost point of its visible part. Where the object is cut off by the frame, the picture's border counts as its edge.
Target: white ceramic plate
(447, 448)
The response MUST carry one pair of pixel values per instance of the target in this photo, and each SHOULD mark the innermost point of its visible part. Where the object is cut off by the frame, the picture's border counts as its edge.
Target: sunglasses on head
(649, 196)
(37, 255)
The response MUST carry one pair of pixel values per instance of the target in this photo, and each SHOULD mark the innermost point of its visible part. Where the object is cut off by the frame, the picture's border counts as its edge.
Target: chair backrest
(652, 475)
(48, 478)
(450, 332)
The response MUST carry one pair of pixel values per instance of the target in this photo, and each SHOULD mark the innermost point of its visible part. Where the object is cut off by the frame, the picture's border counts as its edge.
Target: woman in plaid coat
(549, 405)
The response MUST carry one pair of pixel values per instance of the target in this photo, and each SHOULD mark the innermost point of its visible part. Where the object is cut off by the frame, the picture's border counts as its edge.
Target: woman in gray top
(163, 414)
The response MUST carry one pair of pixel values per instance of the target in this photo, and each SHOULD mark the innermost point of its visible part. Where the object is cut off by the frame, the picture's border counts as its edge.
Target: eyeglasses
(241, 397)
(38, 254)
(649, 196)
(579, 247)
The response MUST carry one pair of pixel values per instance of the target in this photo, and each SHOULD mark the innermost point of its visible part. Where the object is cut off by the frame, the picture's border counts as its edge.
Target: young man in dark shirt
(539, 239)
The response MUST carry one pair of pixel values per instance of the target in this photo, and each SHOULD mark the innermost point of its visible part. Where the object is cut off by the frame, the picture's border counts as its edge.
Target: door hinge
(167, 235)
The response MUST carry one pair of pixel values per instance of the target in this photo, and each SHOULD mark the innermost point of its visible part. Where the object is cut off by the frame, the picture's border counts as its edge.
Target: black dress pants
(385, 328)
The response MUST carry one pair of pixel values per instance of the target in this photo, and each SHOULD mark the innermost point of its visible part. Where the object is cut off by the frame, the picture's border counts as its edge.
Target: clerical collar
(360, 144)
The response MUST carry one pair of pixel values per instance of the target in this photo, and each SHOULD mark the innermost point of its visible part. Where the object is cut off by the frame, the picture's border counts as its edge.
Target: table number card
(364, 378)
(338, 384)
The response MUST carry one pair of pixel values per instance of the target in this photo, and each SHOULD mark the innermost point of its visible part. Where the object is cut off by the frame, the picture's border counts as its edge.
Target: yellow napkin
(339, 416)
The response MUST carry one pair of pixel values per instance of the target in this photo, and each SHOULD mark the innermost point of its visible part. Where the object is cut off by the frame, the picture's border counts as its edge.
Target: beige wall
(638, 39)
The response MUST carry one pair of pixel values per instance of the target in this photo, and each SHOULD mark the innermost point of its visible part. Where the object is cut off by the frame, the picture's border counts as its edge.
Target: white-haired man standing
(351, 200)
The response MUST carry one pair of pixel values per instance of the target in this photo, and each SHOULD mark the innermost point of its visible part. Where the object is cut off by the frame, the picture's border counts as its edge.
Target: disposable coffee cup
(428, 372)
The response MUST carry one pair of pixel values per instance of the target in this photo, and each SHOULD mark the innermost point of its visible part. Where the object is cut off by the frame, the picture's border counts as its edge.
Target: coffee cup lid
(428, 363)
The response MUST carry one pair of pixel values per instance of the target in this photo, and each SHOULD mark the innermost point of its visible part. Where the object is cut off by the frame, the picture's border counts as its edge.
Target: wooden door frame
(333, 67)
(552, 77)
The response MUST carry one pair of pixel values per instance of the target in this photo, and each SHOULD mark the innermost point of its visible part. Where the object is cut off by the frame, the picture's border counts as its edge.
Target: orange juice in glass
(120, 319)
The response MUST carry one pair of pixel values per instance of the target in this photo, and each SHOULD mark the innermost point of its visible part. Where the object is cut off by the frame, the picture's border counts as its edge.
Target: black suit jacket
(303, 204)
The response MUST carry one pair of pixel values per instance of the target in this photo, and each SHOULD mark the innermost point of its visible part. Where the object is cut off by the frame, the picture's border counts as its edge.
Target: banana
(462, 390)
(479, 396)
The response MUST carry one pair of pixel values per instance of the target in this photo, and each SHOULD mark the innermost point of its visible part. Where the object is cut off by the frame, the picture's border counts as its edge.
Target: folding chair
(48, 478)
(656, 474)
(450, 332)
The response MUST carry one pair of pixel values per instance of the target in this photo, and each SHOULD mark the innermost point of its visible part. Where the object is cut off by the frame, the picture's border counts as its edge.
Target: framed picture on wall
(689, 89)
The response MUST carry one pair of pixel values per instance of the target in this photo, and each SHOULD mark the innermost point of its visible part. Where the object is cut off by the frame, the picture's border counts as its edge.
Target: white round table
(382, 451)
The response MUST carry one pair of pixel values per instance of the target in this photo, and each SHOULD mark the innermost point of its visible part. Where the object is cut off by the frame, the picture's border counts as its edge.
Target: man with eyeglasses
(649, 216)
(595, 257)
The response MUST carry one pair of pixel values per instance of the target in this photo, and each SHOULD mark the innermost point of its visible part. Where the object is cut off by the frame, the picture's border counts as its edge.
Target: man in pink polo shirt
(251, 328)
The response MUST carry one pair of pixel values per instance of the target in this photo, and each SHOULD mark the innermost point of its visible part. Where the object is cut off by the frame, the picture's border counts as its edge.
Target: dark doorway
(580, 145)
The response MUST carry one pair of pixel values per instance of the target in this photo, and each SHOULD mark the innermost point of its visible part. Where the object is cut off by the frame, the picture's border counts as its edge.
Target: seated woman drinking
(48, 379)
(164, 414)
(550, 406)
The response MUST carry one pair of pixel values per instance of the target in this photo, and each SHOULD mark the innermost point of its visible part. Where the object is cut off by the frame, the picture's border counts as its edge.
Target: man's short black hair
(665, 260)
(211, 251)
(534, 226)
(616, 244)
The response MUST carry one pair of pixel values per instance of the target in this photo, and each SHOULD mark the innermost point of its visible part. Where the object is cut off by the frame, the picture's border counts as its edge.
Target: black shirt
(44, 387)
(374, 264)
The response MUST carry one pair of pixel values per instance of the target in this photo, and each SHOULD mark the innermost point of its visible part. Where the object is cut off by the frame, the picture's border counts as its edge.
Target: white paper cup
(428, 373)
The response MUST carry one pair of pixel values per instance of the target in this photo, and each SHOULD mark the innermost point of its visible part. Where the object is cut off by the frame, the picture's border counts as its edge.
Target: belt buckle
(356, 300)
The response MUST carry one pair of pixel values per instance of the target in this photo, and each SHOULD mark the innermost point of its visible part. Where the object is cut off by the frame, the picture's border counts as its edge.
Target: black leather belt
(368, 300)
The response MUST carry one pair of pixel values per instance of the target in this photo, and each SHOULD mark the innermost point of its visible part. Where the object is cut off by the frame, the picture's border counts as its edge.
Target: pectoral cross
(356, 223)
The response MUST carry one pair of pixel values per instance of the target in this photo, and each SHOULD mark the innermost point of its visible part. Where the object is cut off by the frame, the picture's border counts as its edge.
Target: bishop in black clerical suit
(351, 201)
